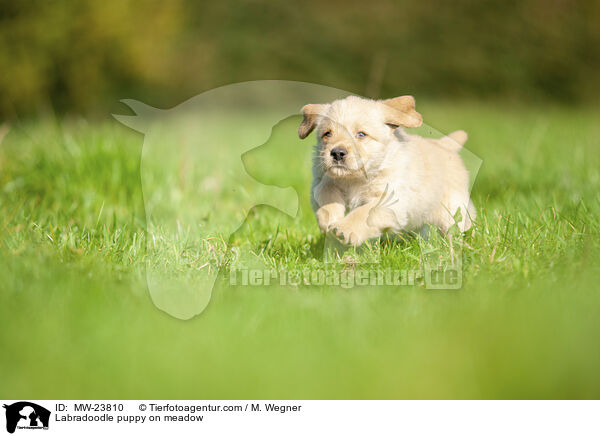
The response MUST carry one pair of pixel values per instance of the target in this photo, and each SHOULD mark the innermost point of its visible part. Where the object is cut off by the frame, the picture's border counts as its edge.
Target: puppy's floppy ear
(400, 111)
(310, 112)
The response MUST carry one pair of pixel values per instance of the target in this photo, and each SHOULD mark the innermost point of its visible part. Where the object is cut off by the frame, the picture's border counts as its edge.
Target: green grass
(76, 243)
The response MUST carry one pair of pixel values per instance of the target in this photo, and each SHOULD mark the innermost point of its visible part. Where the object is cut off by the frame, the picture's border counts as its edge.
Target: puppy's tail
(455, 140)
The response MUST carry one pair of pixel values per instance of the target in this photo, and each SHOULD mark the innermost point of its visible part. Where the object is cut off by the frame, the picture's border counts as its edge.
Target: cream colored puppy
(370, 176)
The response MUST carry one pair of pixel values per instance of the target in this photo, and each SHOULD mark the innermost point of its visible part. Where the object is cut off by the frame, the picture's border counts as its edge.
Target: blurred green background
(86, 55)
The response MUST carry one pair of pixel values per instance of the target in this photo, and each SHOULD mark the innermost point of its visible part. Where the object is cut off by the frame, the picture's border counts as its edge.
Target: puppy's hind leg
(447, 215)
(470, 216)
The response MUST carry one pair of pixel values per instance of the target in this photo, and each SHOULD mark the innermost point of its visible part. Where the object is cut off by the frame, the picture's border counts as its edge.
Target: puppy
(370, 176)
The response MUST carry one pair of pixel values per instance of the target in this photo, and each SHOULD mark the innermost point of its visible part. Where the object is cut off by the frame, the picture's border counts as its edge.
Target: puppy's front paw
(324, 219)
(352, 233)
(328, 215)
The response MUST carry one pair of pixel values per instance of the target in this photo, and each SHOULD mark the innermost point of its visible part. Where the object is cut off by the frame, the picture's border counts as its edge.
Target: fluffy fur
(387, 179)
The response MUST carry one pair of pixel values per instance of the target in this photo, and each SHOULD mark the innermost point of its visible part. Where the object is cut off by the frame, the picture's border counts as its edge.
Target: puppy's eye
(361, 134)
(327, 134)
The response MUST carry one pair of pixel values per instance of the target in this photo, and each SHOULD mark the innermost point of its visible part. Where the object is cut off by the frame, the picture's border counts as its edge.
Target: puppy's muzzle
(338, 153)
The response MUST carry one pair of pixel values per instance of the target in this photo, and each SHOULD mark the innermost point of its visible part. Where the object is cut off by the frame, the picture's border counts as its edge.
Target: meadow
(77, 319)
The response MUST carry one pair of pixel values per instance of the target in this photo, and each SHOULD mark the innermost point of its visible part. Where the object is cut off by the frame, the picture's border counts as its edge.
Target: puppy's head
(354, 134)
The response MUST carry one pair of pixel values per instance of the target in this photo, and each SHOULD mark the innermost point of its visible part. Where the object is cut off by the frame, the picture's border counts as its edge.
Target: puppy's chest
(358, 194)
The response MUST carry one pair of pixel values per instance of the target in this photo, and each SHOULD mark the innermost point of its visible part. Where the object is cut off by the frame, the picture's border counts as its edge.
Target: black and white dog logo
(26, 415)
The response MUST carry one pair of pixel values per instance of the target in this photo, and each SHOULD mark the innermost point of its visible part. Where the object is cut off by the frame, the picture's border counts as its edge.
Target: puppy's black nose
(338, 153)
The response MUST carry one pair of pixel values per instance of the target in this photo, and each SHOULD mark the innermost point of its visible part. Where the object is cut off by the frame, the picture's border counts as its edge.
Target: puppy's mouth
(350, 166)
(338, 170)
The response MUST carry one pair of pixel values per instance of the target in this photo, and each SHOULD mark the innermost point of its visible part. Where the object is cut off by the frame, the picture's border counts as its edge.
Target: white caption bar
(462, 418)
